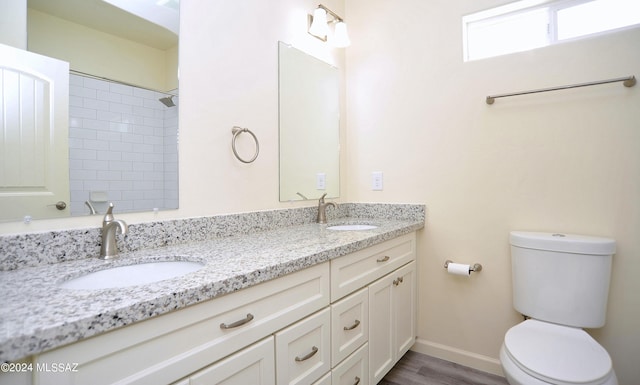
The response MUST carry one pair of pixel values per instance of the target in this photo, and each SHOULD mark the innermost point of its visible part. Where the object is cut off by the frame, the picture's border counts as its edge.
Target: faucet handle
(108, 217)
(321, 200)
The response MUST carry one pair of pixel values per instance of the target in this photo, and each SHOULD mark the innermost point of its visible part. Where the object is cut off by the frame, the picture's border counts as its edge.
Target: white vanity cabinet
(167, 348)
(343, 322)
(384, 306)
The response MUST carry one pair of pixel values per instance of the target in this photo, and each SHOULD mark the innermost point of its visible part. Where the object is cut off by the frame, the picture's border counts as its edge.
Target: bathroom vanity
(297, 305)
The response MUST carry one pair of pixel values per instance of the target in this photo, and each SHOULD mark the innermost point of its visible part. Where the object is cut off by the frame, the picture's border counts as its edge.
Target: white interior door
(34, 125)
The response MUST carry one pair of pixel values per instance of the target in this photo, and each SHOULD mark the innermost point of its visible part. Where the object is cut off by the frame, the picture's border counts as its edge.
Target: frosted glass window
(511, 33)
(529, 24)
(597, 16)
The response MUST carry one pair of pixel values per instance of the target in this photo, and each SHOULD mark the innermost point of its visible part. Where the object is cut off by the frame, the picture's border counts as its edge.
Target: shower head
(168, 101)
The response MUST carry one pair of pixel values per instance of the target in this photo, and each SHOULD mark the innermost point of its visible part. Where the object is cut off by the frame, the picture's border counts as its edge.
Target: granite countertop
(38, 315)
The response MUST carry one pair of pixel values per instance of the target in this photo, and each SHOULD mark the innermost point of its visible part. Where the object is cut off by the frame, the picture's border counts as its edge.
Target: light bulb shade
(340, 35)
(319, 26)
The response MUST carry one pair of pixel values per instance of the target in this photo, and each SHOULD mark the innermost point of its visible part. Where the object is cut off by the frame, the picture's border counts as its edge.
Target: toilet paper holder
(476, 267)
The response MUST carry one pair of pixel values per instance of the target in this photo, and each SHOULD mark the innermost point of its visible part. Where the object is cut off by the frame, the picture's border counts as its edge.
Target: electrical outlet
(376, 181)
(321, 181)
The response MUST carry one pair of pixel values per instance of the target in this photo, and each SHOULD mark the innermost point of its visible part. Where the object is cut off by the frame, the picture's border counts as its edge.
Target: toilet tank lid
(568, 243)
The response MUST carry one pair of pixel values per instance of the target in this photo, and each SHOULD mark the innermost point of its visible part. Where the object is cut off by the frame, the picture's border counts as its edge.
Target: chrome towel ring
(236, 132)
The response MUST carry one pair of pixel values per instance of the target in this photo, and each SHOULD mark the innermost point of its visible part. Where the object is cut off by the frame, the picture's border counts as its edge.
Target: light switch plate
(321, 181)
(376, 181)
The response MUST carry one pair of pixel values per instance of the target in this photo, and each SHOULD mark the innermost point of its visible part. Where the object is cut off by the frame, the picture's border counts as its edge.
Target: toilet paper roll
(458, 269)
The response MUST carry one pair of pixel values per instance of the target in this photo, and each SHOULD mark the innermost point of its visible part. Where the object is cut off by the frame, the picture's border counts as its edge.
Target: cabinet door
(303, 350)
(253, 365)
(404, 301)
(381, 350)
(392, 319)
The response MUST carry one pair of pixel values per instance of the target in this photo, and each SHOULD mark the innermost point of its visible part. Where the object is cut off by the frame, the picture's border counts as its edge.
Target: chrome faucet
(92, 210)
(108, 249)
(322, 209)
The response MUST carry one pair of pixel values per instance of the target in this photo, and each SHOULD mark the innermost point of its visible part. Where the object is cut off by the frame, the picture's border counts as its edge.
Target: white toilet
(561, 282)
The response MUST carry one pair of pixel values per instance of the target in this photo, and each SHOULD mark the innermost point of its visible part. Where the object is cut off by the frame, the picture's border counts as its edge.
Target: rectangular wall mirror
(120, 142)
(309, 115)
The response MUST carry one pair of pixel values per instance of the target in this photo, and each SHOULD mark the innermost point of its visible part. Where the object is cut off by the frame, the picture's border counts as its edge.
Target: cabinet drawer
(167, 348)
(354, 370)
(325, 380)
(303, 350)
(349, 325)
(356, 270)
(253, 365)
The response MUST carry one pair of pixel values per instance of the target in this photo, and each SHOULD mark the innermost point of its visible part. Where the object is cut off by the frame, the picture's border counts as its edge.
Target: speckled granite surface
(238, 251)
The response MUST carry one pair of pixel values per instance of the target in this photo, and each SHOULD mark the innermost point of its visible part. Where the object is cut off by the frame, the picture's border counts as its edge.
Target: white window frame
(524, 6)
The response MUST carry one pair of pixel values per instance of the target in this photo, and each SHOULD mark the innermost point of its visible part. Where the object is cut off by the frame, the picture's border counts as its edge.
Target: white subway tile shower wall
(123, 141)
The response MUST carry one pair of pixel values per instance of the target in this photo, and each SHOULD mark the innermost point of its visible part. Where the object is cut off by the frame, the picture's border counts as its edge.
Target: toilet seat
(557, 354)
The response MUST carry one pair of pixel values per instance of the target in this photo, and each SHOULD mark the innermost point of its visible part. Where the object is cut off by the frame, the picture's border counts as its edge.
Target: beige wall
(567, 161)
(101, 54)
(228, 77)
(13, 23)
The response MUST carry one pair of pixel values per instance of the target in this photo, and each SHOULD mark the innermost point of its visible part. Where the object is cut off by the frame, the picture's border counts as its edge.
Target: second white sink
(132, 275)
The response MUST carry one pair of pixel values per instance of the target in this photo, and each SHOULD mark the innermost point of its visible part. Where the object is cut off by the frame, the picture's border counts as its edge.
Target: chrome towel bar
(628, 81)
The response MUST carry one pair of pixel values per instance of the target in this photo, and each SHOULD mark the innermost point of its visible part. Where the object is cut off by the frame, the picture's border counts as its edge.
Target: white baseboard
(462, 357)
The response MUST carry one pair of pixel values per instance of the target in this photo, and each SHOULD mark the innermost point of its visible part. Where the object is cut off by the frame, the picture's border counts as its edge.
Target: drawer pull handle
(237, 323)
(357, 380)
(313, 351)
(355, 325)
(383, 259)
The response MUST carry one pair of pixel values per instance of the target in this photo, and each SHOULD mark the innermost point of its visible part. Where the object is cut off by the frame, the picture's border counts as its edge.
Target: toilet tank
(561, 278)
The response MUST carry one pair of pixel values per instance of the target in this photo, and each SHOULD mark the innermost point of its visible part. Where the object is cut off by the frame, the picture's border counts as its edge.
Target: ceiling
(102, 16)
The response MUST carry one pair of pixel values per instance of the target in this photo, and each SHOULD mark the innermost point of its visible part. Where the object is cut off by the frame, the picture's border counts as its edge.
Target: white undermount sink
(352, 227)
(132, 275)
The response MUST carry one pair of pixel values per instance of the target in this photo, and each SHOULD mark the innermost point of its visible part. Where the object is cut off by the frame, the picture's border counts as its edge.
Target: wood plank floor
(419, 369)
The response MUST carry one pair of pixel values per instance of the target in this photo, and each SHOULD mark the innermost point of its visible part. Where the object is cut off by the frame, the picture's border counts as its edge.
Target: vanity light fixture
(319, 27)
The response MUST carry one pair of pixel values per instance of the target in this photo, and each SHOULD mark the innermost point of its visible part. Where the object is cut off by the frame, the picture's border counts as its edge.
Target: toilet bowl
(561, 283)
(541, 353)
